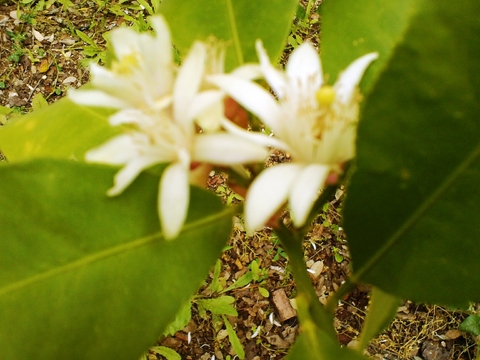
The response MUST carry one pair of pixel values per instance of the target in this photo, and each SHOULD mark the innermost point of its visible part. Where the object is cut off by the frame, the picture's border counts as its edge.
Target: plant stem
(338, 295)
(310, 311)
(309, 9)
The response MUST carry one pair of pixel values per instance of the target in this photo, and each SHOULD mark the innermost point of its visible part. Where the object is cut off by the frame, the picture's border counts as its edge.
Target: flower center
(125, 65)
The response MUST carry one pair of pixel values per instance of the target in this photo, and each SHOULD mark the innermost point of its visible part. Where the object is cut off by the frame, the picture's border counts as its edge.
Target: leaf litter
(44, 50)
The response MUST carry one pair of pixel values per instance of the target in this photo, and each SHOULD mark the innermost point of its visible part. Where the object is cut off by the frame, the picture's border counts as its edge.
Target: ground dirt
(41, 52)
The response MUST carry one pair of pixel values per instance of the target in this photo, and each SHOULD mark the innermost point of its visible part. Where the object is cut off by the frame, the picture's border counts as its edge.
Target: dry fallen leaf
(43, 66)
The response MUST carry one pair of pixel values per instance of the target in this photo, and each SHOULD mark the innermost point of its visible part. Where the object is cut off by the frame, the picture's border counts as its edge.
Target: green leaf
(86, 276)
(264, 292)
(381, 311)
(147, 6)
(414, 202)
(219, 306)
(181, 319)
(39, 102)
(215, 285)
(471, 325)
(168, 353)
(85, 38)
(61, 131)
(4, 112)
(244, 280)
(234, 340)
(238, 23)
(255, 268)
(352, 28)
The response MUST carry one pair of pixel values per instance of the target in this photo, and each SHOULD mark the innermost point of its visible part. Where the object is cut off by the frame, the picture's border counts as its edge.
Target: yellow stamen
(325, 95)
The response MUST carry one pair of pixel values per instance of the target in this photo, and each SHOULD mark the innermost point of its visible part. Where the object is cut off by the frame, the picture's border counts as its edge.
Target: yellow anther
(326, 95)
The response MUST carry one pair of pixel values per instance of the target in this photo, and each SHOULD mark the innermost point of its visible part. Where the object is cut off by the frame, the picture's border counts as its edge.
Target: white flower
(133, 80)
(159, 122)
(316, 124)
(211, 118)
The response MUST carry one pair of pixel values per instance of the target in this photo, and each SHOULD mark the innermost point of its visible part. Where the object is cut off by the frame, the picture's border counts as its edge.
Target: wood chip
(282, 303)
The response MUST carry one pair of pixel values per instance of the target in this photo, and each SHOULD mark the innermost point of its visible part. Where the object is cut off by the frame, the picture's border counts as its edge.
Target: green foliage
(234, 340)
(352, 28)
(86, 276)
(471, 325)
(244, 280)
(230, 197)
(413, 203)
(91, 271)
(39, 102)
(168, 353)
(258, 274)
(4, 113)
(181, 319)
(17, 39)
(62, 131)
(92, 50)
(217, 306)
(336, 255)
(216, 285)
(238, 23)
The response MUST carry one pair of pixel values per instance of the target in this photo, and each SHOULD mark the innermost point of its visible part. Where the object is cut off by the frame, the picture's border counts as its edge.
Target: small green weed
(337, 256)
(17, 39)
(93, 52)
(228, 195)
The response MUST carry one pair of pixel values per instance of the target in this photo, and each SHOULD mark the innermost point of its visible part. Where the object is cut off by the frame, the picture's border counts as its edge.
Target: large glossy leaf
(352, 28)
(85, 276)
(63, 130)
(238, 23)
(414, 203)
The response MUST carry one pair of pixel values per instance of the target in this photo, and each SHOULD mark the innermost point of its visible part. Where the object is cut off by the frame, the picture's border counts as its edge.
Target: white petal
(173, 200)
(129, 116)
(95, 98)
(275, 78)
(351, 77)
(163, 44)
(130, 89)
(163, 49)
(255, 137)
(188, 81)
(226, 149)
(248, 72)
(129, 172)
(158, 58)
(304, 66)
(305, 191)
(267, 193)
(207, 107)
(116, 151)
(252, 96)
(124, 41)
